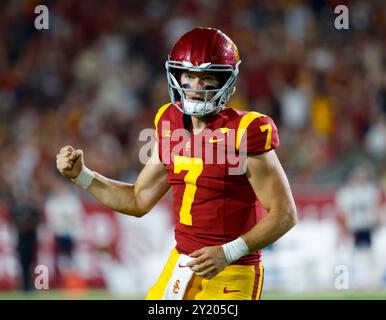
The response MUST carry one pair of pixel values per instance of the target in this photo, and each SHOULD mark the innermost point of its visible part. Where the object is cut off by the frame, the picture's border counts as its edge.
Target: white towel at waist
(179, 280)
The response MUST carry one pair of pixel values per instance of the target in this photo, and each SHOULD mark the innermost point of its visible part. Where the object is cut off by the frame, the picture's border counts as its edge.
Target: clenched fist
(69, 162)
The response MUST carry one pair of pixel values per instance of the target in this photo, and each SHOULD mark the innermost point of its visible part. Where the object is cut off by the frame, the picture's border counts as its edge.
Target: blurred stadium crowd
(97, 77)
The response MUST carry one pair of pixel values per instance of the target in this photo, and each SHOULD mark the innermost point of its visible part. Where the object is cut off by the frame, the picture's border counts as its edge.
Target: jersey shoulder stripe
(159, 114)
(245, 121)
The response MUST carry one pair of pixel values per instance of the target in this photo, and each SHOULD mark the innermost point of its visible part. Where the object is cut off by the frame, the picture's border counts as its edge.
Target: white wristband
(235, 249)
(85, 177)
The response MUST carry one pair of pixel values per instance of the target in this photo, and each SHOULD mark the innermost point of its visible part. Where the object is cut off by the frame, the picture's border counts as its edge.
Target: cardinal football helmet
(203, 50)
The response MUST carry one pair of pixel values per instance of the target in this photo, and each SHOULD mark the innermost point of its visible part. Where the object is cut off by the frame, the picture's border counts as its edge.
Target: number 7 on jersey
(194, 166)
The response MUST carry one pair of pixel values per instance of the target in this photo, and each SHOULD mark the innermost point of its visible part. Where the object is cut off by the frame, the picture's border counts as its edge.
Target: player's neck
(200, 123)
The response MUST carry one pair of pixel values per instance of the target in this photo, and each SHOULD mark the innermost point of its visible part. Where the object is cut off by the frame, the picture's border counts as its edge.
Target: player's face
(199, 81)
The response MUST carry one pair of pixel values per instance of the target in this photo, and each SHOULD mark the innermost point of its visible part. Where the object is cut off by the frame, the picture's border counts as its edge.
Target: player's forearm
(116, 195)
(270, 228)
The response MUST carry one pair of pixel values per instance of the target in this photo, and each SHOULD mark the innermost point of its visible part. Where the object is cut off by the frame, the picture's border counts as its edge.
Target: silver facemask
(200, 108)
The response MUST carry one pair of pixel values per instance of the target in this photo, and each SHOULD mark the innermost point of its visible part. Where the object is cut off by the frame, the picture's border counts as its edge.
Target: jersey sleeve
(162, 131)
(256, 134)
(161, 114)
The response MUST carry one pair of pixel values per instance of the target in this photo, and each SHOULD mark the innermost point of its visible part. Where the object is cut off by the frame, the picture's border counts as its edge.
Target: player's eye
(211, 81)
(189, 76)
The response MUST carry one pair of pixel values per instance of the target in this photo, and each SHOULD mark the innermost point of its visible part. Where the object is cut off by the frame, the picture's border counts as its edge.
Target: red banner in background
(314, 205)
(320, 205)
(8, 264)
(101, 235)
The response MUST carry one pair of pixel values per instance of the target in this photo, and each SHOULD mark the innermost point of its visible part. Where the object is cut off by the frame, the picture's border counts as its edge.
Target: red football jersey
(213, 201)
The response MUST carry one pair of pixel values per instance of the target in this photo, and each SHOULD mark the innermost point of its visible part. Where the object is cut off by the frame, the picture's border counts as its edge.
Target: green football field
(104, 295)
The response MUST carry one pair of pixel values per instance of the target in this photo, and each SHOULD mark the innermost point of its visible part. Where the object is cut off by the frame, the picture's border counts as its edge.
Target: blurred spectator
(295, 106)
(26, 217)
(358, 200)
(64, 213)
(359, 203)
(376, 138)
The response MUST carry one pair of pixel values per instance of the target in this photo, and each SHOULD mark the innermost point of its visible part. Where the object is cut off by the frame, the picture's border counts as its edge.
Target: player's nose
(197, 84)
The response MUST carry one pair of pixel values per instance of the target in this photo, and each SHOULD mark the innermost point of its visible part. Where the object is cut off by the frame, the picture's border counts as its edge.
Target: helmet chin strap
(197, 108)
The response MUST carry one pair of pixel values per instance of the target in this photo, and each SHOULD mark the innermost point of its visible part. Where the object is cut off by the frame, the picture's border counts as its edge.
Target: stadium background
(96, 78)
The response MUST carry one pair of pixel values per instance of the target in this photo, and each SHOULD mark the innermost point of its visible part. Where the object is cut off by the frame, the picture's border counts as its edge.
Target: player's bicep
(270, 182)
(151, 184)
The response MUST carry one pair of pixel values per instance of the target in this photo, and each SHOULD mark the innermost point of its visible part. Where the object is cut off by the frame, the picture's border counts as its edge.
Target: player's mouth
(196, 99)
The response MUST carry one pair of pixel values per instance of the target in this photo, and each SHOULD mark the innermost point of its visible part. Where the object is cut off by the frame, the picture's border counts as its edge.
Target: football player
(216, 224)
